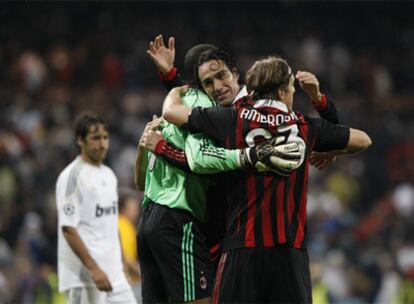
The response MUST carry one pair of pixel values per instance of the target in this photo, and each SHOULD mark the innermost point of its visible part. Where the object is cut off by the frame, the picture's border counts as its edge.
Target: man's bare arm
(79, 248)
(173, 110)
(358, 141)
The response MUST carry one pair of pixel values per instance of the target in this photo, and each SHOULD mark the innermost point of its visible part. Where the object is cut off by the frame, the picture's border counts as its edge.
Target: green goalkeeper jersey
(168, 185)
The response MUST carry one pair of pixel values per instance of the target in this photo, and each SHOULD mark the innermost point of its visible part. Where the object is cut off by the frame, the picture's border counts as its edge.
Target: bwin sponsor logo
(100, 211)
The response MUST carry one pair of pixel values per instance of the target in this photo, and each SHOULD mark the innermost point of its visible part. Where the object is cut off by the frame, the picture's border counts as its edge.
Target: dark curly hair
(191, 58)
(213, 54)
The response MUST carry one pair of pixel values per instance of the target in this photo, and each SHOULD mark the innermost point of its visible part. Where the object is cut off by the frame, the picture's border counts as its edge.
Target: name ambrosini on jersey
(268, 118)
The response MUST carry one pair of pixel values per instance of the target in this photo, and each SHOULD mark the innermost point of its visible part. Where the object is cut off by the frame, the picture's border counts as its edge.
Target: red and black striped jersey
(265, 209)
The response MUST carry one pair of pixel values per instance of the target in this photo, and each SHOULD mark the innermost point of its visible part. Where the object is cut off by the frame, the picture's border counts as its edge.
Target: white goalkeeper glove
(274, 156)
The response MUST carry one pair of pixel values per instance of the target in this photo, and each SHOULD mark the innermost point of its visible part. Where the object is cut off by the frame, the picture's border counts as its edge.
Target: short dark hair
(267, 76)
(85, 120)
(214, 54)
(191, 58)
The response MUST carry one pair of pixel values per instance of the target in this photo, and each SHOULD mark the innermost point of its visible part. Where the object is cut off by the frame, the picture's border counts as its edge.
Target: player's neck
(239, 90)
(89, 160)
(288, 104)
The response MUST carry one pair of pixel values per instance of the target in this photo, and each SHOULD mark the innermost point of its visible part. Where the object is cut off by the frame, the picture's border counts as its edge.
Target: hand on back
(151, 135)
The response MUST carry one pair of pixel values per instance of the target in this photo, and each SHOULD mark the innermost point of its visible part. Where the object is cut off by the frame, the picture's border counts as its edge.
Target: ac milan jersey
(266, 209)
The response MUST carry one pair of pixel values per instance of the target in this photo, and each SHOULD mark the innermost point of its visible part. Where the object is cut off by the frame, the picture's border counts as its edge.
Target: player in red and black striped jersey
(265, 258)
(245, 125)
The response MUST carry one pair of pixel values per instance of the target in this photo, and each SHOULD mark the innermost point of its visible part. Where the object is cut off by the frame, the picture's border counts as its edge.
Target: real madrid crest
(68, 209)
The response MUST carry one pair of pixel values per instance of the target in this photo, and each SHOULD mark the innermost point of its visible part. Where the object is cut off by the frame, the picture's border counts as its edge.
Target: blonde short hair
(267, 76)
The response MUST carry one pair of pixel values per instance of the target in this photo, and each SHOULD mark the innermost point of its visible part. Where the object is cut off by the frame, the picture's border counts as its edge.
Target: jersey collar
(271, 103)
(242, 93)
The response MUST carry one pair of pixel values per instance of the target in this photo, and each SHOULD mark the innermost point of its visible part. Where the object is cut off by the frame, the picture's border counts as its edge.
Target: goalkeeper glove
(273, 156)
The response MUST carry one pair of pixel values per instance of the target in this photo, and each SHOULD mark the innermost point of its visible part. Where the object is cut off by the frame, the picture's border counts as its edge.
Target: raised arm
(326, 109)
(310, 85)
(163, 57)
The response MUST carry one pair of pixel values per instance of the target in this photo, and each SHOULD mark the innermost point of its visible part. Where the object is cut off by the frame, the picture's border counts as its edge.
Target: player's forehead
(97, 129)
(210, 68)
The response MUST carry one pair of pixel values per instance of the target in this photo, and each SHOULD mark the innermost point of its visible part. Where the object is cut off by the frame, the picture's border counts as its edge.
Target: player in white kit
(90, 266)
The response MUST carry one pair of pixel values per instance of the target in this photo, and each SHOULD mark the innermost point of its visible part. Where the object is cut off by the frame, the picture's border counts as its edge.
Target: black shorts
(263, 275)
(174, 257)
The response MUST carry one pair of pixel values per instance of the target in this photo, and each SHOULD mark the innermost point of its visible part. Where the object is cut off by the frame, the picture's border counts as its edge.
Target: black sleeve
(213, 122)
(329, 113)
(329, 136)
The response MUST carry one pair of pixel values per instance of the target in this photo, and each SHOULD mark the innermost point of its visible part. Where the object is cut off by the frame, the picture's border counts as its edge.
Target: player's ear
(281, 94)
(235, 74)
(79, 141)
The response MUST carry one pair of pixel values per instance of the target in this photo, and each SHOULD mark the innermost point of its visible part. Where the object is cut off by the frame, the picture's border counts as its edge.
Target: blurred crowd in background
(57, 60)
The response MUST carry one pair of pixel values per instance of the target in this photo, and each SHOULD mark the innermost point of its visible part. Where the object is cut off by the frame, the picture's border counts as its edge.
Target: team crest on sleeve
(69, 209)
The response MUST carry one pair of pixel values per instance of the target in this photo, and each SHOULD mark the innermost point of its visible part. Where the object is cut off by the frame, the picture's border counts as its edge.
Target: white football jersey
(87, 199)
